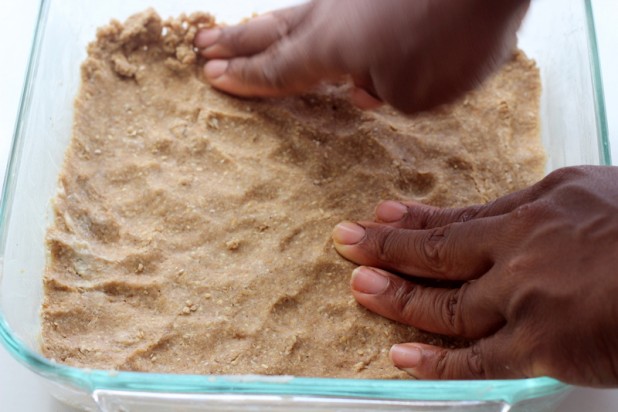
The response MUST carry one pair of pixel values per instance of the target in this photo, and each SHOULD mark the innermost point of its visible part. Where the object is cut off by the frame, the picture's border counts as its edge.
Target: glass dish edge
(491, 390)
(597, 87)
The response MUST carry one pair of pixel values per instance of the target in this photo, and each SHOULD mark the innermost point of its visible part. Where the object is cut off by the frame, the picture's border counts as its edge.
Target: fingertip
(240, 76)
(206, 38)
(360, 98)
(390, 211)
(348, 233)
(221, 75)
(216, 51)
(214, 69)
(406, 356)
(368, 281)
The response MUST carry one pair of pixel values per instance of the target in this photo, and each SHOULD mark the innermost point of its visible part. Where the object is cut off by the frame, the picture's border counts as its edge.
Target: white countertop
(23, 391)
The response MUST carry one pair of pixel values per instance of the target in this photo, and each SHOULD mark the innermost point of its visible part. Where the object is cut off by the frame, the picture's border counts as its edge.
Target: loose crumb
(233, 244)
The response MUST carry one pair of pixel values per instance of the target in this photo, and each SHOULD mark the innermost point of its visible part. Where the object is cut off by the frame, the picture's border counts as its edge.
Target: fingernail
(348, 233)
(363, 99)
(215, 68)
(406, 356)
(206, 38)
(391, 211)
(368, 281)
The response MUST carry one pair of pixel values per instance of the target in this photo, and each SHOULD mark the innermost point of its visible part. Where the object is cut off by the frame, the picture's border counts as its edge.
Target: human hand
(411, 54)
(538, 272)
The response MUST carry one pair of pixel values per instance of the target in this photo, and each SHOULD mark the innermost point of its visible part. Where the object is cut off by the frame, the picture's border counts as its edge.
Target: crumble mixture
(192, 229)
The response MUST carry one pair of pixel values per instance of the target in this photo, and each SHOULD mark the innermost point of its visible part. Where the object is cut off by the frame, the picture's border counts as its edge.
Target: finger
(363, 94)
(248, 38)
(490, 358)
(289, 66)
(415, 215)
(468, 311)
(363, 100)
(458, 251)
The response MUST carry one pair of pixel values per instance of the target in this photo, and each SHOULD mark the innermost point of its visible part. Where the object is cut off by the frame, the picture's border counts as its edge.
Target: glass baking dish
(559, 34)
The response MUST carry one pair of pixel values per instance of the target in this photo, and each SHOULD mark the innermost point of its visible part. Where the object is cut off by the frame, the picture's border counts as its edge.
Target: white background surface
(22, 391)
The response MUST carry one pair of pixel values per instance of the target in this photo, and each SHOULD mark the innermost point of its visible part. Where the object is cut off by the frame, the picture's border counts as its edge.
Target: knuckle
(461, 363)
(441, 365)
(390, 243)
(562, 175)
(426, 217)
(475, 362)
(468, 213)
(517, 266)
(452, 316)
(465, 214)
(420, 216)
(432, 249)
(404, 297)
(530, 212)
(527, 301)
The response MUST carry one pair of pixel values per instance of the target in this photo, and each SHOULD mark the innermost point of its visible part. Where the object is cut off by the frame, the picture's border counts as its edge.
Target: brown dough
(192, 229)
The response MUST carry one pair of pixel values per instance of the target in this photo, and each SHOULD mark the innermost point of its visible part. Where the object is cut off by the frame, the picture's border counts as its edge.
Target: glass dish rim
(510, 391)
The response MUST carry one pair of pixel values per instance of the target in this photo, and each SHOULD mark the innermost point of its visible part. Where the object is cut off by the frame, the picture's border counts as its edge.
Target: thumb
(485, 359)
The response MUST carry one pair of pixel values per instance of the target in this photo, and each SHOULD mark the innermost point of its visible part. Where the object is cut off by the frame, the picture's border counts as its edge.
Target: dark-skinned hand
(538, 271)
(411, 54)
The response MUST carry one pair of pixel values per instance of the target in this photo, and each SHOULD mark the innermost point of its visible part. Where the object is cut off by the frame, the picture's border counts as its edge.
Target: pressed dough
(191, 229)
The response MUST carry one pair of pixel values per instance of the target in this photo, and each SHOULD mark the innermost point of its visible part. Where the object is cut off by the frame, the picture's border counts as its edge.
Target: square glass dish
(558, 34)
